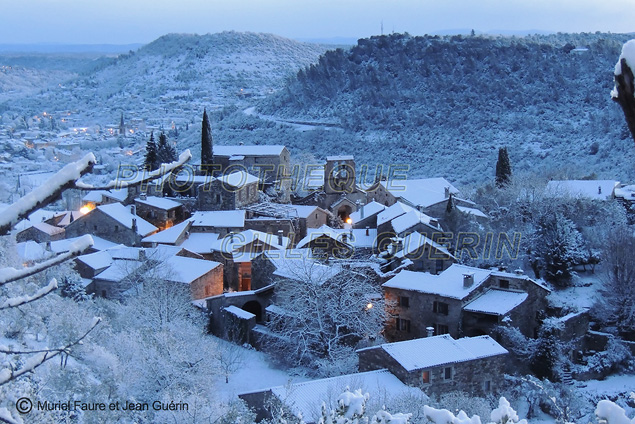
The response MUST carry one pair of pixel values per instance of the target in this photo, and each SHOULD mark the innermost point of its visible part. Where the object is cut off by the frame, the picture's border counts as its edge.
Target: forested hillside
(445, 104)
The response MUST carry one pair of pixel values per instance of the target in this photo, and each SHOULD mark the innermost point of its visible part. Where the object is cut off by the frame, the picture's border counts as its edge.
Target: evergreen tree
(207, 155)
(165, 152)
(545, 359)
(151, 154)
(503, 168)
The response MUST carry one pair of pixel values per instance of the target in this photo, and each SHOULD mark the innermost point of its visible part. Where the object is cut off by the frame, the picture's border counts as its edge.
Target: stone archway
(255, 308)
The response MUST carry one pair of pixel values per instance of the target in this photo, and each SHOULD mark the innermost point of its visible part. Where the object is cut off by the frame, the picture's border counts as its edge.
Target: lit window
(425, 377)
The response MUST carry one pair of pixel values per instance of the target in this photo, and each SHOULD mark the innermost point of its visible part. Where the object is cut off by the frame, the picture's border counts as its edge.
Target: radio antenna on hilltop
(382, 27)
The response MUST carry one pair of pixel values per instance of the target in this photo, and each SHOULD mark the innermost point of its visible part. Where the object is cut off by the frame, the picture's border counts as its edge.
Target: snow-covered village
(359, 224)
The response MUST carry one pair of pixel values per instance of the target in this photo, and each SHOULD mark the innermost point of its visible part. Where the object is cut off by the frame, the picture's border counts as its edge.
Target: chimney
(468, 280)
(279, 237)
(231, 236)
(429, 331)
(143, 196)
(367, 230)
(434, 222)
(133, 209)
(599, 189)
(361, 212)
(48, 245)
(519, 271)
(134, 225)
(447, 192)
(345, 237)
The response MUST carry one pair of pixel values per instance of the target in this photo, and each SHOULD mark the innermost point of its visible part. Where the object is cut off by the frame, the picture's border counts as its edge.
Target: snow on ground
(608, 387)
(582, 294)
(255, 373)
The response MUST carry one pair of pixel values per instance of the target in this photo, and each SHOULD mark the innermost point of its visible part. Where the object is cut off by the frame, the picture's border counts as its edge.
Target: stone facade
(218, 196)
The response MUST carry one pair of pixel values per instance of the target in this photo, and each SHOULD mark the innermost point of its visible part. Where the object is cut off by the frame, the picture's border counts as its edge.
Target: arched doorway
(255, 308)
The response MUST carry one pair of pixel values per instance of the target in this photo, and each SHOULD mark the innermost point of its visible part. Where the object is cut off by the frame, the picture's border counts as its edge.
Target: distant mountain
(68, 48)
(180, 70)
(445, 105)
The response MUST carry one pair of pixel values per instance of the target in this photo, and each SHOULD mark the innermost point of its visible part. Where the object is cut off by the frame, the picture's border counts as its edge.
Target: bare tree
(322, 312)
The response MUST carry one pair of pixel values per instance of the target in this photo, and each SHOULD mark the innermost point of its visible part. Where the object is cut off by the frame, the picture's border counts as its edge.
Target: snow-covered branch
(14, 302)
(142, 178)
(7, 375)
(46, 193)
(8, 275)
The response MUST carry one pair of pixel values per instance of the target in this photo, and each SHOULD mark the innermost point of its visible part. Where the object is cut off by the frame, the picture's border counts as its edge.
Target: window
(440, 308)
(504, 284)
(487, 386)
(103, 293)
(404, 301)
(447, 373)
(116, 228)
(95, 227)
(441, 329)
(425, 377)
(403, 325)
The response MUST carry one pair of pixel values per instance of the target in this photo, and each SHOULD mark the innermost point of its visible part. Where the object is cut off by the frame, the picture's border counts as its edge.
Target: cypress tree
(165, 152)
(207, 155)
(151, 154)
(503, 168)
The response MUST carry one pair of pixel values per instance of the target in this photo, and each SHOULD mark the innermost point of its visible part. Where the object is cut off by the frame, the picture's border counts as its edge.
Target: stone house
(228, 192)
(425, 254)
(266, 161)
(416, 301)
(439, 364)
(366, 215)
(160, 212)
(399, 220)
(236, 251)
(114, 222)
(40, 232)
(340, 243)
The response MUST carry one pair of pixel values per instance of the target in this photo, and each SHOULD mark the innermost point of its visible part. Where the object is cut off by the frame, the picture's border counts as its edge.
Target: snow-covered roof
(373, 208)
(219, 219)
(31, 251)
(37, 216)
(240, 313)
(259, 150)
(94, 196)
(97, 260)
(392, 212)
(186, 270)
(122, 214)
(313, 178)
(125, 252)
(449, 283)
(410, 219)
(441, 350)
(235, 241)
(582, 189)
(496, 302)
(306, 398)
(472, 211)
(200, 242)
(119, 194)
(159, 202)
(238, 179)
(352, 237)
(422, 192)
(119, 270)
(303, 211)
(170, 235)
(67, 217)
(300, 265)
(414, 241)
(48, 229)
(60, 246)
(340, 157)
